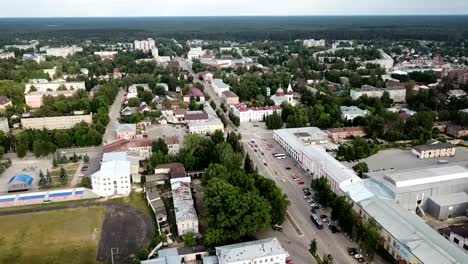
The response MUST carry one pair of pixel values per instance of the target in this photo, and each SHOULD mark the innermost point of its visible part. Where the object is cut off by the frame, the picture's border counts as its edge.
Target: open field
(63, 236)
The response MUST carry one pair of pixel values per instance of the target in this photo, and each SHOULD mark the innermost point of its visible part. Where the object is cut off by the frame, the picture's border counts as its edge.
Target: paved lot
(125, 230)
(28, 166)
(161, 131)
(397, 159)
(297, 241)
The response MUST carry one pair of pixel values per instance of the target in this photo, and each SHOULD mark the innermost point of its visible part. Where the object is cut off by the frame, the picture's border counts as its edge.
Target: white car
(358, 256)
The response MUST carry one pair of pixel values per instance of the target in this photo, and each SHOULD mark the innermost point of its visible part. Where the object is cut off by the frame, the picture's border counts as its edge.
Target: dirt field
(62, 236)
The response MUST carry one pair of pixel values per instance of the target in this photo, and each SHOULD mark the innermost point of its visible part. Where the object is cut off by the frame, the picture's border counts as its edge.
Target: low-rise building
(140, 146)
(309, 43)
(126, 131)
(435, 150)
(4, 125)
(173, 145)
(159, 209)
(249, 114)
(351, 112)
(7, 55)
(457, 131)
(133, 158)
(106, 55)
(196, 94)
(397, 94)
(458, 235)
(63, 51)
(459, 76)
(452, 205)
(219, 86)
(337, 134)
(230, 98)
(195, 53)
(184, 208)
(260, 251)
(4, 102)
(112, 179)
(55, 122)
(456, 93)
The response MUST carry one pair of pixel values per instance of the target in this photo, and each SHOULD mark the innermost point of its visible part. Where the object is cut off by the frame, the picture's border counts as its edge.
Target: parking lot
(30, 167)
(398, 159)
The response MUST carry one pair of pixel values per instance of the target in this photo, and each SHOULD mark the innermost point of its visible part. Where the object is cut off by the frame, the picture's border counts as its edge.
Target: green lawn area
(69, 168)
(63, 236)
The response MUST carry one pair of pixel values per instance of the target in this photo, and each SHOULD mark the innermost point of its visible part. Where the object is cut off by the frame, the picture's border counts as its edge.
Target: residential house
(457, 131)
(126, 131)
(173, 144)
(4, 102)
(4, 125)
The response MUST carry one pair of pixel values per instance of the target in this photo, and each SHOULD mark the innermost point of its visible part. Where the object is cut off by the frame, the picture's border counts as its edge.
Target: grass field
(63, 236)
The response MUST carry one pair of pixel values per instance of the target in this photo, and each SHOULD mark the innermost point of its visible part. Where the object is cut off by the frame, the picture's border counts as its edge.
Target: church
(279, 97)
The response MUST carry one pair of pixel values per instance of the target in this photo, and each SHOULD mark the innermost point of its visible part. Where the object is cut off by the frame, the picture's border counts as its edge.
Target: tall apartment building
(309, 43)
(55, 122)
(145, 45)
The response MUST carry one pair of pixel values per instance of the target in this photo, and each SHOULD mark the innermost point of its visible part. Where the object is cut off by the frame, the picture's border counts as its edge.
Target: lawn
(69, 168)
(63, 236)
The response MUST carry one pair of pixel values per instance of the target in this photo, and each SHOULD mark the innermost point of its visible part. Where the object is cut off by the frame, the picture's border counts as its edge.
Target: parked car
(352, 251)
(358, 256)
(361, 259)
(278, 228)
(288, 168)
(313, 211)
(295, 177)
(334, 229)
(301, 183)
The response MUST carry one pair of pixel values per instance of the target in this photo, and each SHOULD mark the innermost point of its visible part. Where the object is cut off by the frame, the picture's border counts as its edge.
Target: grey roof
(434, 146)
(220, 83)
(450, 199)
(249, 250)
(126, 128)
(229, 94)
(461, 230)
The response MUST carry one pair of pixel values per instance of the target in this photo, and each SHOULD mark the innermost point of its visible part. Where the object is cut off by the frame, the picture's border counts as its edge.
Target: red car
(301, 183)
(288, 261)
(295, 178)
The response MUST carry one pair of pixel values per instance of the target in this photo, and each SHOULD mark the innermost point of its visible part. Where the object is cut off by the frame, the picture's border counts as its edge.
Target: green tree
(63, 176)
(217, 137)
(133, 102)
(48, 177)
(248, 165)
(21, 150)
(54, 162)
(361, 168)
(313, 247)
(85, 182)
(274, 121)
(189, 240)
(42, 180)
(160, 145)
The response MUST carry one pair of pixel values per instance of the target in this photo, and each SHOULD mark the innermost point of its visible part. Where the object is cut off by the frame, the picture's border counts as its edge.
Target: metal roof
(249, 250)
(450, 199)
(433, 174)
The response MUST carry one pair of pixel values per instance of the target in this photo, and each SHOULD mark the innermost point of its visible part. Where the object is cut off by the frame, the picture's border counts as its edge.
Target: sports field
(63, 236)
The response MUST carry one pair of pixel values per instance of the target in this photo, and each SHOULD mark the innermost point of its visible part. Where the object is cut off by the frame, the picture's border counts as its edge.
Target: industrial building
(304, 145)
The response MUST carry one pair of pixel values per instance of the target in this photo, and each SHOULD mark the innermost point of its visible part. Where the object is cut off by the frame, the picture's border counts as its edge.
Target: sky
(118, 8)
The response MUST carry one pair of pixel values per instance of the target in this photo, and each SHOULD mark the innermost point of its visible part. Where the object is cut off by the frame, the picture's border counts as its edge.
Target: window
(456, 240)
(465, 247)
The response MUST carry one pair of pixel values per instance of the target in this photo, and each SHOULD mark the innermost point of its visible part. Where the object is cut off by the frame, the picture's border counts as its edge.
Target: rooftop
(244, 108)
(183, 203)
(461, 230)
(229, 94)
(346, 129)
(22, 178)
(114, 169)
(249, 250)
(195, 92)
(126, 128)
(4, 100)
(450, 199)
(196, 115)
(124, 144)
(434, 146)
(433, 174)
(220, 84)
(176, 169)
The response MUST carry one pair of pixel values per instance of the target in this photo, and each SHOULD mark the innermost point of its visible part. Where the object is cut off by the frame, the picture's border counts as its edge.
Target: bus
(279, 156)
(318, 223)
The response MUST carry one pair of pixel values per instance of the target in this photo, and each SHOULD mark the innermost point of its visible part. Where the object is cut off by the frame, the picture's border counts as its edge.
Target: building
(250, 114)
(405, 236)
(44, 86)
(126, 131)
(4, 127)
(337, 134)
(448, 206)
(260, 251)
(133, 89)
(456, 93)
(195, 53)
(133, 158)
(55, 122)
(397, 94)
(142, 147)
(435, 150)
(184, 209)
(4, 102)
(309, 43)
(351, 112)
(411, 188)
(457, 131)
(106, 55)
(63, 51)
(38, 57)
(20, 182)
(159, 209)
(144, 45)
(173, 145)
(186, 255)
(230, 98)
(219, 86)
(7, 55)
(459, 76)
(196, 94)
(305, 146)
(35, 99)
(280, 97)
(385, 61)
(112, 179)
(458, 235)
(206, 127)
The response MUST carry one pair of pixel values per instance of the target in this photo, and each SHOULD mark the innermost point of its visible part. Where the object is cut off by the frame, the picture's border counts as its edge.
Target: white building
(267, 251)
(397, 94)
(219, 86)
(456, 93)
(112, 179)
(184, 209)
(385, 62)
(7, 55)
(205, 127)
(43, 87)
(195, 53)
(63, 51)
(249, 114)
(4, 125)
(280, 97)
(303, 145)
(351, 112)
(309, 43)
(155, 52)
(145, 45)
(133, 158)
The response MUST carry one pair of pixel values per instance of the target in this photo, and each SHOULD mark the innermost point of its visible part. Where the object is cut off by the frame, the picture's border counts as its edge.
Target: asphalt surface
(114, 114)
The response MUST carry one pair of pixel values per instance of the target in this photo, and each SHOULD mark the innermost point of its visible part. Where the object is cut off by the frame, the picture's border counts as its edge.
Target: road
(114, 114)
(298, 229)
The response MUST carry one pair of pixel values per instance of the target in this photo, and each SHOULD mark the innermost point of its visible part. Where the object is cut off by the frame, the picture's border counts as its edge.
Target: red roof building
(196, 94)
